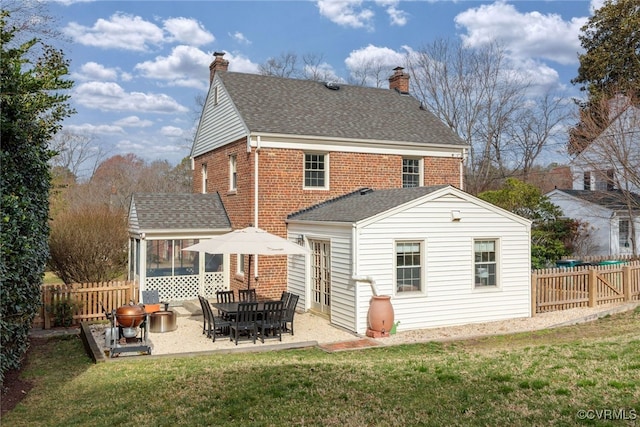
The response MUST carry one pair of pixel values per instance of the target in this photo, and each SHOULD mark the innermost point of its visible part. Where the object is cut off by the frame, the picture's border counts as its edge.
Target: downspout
(255, 199)
(255, 183)
(462, 163)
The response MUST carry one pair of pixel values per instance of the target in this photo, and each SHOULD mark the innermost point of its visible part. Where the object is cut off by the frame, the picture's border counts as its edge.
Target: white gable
(220, 122)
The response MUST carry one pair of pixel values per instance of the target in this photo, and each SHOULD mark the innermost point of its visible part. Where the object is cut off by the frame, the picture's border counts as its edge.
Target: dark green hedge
(31, 109)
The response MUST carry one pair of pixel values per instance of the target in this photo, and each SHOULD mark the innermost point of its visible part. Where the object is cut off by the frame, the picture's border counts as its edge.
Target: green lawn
(542, 378)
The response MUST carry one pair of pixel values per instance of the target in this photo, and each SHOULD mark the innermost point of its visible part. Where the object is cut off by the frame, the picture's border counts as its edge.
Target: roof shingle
(361, 204)
(279, 105)
(180, 211)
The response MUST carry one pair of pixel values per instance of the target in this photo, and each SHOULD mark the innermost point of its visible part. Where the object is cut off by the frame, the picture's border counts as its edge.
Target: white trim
(498, 263)
(325, 156)
(350, 145)
(423, 269)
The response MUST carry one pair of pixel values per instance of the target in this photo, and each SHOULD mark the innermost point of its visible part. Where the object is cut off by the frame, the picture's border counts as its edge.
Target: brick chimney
(399, 80)
(218, 64)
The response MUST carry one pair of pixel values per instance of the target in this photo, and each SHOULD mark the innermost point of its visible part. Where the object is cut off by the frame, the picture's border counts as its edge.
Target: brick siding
(281, 191)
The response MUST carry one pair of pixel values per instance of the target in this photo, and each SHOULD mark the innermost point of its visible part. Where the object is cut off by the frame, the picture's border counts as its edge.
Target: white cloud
(240, 63)
(134, 122)
(240, 38)
(120, 31)
(374, 64)
(398, 17)
(112, 97)
(185, 66)
(595, 5)
(91, 129)
(94, 71)
(531, 34)
(347, 13)
(172, 131)
(186, 30)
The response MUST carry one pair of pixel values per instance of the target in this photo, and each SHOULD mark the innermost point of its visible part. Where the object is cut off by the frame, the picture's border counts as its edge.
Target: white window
(240, 265)
(233, 173)
(485, 263)
(204, 178)
(408, 267)
(316, 169)
(411, 172)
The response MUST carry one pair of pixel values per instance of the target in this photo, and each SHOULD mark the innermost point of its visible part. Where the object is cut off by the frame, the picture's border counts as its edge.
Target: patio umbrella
(249, 241)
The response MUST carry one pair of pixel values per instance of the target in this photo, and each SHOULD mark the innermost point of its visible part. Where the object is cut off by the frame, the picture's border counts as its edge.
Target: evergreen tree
(611, 39)
(32, 105)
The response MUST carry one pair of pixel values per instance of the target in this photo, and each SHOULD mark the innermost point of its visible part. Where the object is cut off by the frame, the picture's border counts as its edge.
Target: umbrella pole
(249, 279)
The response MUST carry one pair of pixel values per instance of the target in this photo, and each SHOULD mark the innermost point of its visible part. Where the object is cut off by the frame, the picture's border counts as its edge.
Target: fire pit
(163, 321)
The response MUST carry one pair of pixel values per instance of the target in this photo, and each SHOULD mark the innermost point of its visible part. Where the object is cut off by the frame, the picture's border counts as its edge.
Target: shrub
(89, 245)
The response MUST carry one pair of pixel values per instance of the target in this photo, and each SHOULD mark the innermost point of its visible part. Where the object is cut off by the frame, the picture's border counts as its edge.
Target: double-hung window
(233, 173)
(485, 263)
(410, 172)
(316, 170)
(408, 267)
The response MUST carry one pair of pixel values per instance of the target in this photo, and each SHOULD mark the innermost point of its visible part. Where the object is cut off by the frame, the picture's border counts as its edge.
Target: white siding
(450, 297)
(342, 288)
(598, 217)
(219, 124)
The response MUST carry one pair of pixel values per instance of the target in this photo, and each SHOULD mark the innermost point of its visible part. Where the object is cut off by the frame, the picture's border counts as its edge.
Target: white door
(320, 276)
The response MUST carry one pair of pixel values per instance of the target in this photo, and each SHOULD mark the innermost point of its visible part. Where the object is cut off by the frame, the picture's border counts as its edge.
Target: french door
(320, 276)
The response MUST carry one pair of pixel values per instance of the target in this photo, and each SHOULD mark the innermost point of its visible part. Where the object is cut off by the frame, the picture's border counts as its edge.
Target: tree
(611, 41)
(613, 154)
(550, 235)
(610, 65)
(76, 152)
(476, 94)
(33, 105)
(89, 245)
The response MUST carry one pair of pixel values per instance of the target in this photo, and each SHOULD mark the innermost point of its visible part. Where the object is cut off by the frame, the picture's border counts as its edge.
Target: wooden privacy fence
(84, 300)
(586, 286)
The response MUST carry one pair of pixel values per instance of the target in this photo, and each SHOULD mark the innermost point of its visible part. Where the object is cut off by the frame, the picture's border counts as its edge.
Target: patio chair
(213, 325)
(152, 296)
(289, 311)
(245, 321)
(247, 295)
(271, 320)
(285, 298)
(224, 297)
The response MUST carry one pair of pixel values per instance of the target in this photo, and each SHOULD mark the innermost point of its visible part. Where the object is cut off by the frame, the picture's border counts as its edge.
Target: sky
(139, 66)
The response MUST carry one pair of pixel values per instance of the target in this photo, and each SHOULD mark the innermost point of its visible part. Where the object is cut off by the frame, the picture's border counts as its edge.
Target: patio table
(230, 309)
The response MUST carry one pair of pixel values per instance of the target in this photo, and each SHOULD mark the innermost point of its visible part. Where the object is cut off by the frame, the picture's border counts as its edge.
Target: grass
(535, 378)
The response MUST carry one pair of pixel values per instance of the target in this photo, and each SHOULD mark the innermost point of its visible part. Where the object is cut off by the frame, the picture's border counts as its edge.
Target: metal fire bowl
(162, 321)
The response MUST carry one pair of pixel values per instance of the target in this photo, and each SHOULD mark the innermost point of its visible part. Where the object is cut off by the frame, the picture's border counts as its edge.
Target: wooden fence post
(593, 288)
(46, 307)
(534, 290)
(626, 282)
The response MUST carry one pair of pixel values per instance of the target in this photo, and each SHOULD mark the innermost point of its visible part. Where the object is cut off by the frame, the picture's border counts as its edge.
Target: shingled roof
(287, 106)
(361, 204)
(178, 212)
(612, 199)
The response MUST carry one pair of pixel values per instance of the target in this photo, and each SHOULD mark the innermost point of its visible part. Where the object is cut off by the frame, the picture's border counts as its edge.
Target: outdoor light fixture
(300, 240)
(455, 215)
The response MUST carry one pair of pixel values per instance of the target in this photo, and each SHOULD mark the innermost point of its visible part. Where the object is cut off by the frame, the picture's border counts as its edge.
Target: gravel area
(188, 337)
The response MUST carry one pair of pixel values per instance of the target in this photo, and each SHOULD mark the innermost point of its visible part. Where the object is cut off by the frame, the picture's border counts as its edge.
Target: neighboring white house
(606, 183)
(446, 258)
(607, 216)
